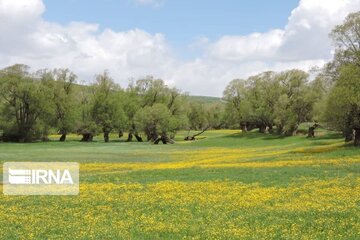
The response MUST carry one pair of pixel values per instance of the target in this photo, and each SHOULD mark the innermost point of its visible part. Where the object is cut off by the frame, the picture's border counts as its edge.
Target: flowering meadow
(228, 185)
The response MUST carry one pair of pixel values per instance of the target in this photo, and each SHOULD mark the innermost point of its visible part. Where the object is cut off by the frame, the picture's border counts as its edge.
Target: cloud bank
(27, 38)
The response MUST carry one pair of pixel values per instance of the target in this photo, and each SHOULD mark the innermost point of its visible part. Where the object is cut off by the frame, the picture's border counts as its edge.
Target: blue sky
(198, 46)
(181, 21)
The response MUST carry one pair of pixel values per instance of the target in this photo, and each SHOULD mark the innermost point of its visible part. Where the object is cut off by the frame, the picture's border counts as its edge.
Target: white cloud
(79, 46)
(27, 38)
(307, 33)
(305, 37)
(252, 47)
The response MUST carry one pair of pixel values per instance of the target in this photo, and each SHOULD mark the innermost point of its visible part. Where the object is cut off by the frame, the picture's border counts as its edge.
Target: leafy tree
(26, 103)
(203, 117)
(215, 115)
(295, 102)
(86, 126)
(237, 105)
(197, 115)
(131, 106)
(106, 110)
(156, 121)
(342, 108)
(62, 84)
(148, 92)
(263, 94)
(283, 99)
(347, 39)
(140, 94)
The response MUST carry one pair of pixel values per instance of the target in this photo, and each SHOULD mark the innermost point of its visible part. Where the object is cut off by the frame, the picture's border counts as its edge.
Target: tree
(283, 99)
(131, 106)
(86, 126)
(157, 122)
(65, 105)
(148, 92)
(215, 115)
(26, 103)
(263, 94)
(203, 117)
(347, 39)
(144, 92)
(295, 103)
(237, 106)
(106, 110)
(197, 116)
(342, 108)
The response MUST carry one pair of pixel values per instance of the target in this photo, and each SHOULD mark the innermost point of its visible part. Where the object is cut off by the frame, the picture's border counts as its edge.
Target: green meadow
(226, 185)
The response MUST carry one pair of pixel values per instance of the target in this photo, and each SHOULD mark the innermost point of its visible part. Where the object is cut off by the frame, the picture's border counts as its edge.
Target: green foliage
(86, 124)
(283, 99)
(148, 94)
(61, 82)
(346, 37)
(156, 120)
(215, 115)
(343, 106)
(343, 103)
(236, 102)
(26, 104)
(295, 102)
(197, 116)
(106, 106)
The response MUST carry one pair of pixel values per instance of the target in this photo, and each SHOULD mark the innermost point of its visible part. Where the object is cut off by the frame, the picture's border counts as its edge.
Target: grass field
(229, 185)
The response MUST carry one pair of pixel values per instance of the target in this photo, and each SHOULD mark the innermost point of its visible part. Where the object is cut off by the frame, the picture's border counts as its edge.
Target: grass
(228, 185)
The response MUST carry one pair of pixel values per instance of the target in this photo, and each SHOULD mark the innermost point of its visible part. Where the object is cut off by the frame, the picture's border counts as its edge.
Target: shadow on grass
(256, 135)
(272, 136)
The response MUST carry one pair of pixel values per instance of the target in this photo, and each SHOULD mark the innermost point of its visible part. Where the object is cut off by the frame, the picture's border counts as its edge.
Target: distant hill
(205, 99)
(198, 99)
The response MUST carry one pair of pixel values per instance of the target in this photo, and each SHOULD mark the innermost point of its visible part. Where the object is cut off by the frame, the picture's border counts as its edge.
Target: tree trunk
(270, 129)
(311, 131)
(121, 134)
(357, 138)
(348, 134)
(250, 126)
(138, 137)
(63, 137)
(193, 137)
(290, 132)
(130, 137)
(243, 127)
(262, 129)
(87, 137)
(164, 139)
(106, 136)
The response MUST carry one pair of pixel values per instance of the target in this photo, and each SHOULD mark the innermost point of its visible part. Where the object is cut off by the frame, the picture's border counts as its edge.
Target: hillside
(205, 99)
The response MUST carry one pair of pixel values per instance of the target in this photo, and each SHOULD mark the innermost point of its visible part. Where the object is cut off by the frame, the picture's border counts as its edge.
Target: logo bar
(41, 178)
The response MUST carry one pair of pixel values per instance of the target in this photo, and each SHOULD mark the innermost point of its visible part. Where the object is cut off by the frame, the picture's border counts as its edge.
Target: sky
(198, 46)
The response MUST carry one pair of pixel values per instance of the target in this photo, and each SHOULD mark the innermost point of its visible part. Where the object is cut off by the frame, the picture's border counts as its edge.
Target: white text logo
(39, 176)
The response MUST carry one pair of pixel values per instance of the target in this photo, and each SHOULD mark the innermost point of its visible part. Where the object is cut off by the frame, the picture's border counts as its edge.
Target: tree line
(280, 102)
(35, 104)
